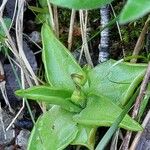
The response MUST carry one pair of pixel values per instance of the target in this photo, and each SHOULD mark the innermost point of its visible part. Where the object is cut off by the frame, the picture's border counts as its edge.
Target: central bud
(78, 97)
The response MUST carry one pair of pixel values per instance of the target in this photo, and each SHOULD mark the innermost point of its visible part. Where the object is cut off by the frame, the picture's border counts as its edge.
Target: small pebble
(22, 139)
(24, 123)
(6, 136)
(35, 36)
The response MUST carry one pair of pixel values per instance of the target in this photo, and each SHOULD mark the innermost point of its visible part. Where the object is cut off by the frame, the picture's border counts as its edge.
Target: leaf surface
(102, 112)
(54, 130)
(81, 4)
(115, 81)
(58, 61)
(134, 9)
(114, 127)
(50, 95)
(85, 136)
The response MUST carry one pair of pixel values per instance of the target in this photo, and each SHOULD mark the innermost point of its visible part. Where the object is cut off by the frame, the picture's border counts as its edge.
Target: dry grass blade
(83, 24)
(26, 69)
(1, 122)
(140, 42)
(138, 135)
(19, 38)
(70, 36)
(3, 89)
(115, 140)
(118, 27)
(2, 7)
(56, 21)
(126, 141)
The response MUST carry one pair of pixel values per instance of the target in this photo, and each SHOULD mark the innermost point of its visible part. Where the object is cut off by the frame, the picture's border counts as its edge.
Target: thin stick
(81, 53)
(70, 36)
(139, 134)
(28, 37)
(83, 24)
(52, 23)
(118, 27)
(2, 7)
(14, 14)
(2, 122)
(14, 119)
(140, 40)
(56, 22)
(20, 56)
(19, 38)
(3, 88)
(11, 45)
(143, 87)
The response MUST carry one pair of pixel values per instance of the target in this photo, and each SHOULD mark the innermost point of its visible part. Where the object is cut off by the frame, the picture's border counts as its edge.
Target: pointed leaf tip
(58, 61)
(104, 113)
(19, 92)
(134, 9)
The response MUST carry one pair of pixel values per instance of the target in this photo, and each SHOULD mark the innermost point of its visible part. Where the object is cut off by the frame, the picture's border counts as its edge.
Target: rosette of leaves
(82, 99)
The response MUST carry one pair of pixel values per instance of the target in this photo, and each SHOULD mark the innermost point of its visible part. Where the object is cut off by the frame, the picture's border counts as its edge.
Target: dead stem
(138, 135)
(56, 22)
(143, 87)
(119, 30)
(140, 41)
(83, 24)
(70, 36)
(52, 23)
(17, 49)
(2, 122)
(2, 7)
(3, 88)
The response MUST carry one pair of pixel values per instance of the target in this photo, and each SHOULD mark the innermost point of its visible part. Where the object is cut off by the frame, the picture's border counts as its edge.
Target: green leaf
(134, 9)
(85, 136)
(42, 18)
(81, 4)
(43, 3)
(50, 95)
(7, 22)
(108, 135)
(38, 9)
(100, 111)
(59, 63)
(116, 81)
(55, 130)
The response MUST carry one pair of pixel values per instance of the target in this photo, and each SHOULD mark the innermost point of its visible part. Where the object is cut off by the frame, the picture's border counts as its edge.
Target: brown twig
(70, 36)
(83, 25)
(143, 87)
(56, 22)
(140, 41)
(139, 134)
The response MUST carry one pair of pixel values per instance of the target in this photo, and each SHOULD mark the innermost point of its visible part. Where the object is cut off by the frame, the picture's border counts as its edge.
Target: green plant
(42, 14)
(3, 47)
(134, 9)
(85, 99)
